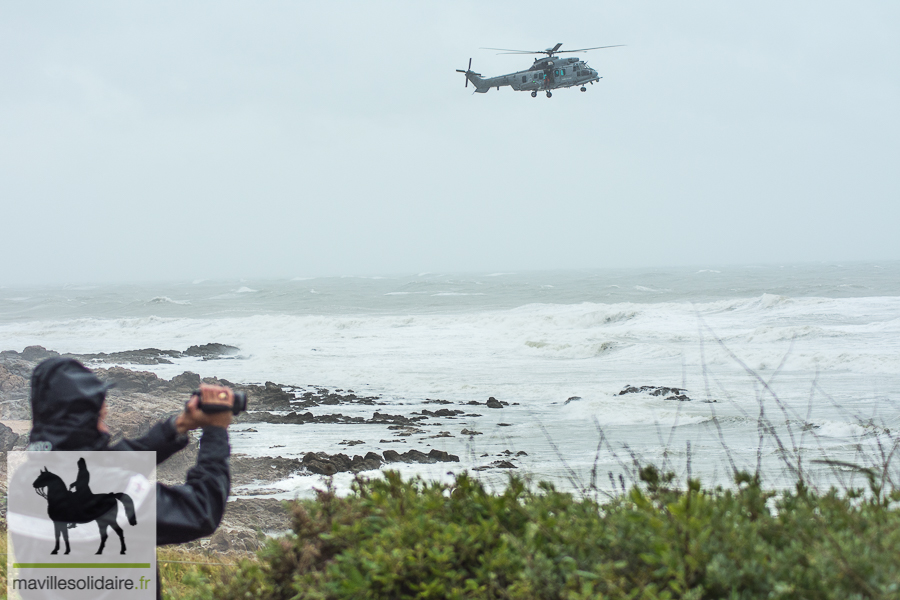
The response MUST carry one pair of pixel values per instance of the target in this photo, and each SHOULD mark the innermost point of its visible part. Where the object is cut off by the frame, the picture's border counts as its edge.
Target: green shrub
(395, 538)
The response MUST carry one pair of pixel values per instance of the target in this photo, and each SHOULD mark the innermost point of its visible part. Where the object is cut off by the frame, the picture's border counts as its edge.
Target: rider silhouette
(82, 491)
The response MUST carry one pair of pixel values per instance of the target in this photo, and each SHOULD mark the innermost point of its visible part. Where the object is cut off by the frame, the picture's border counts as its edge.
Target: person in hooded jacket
(68, 409)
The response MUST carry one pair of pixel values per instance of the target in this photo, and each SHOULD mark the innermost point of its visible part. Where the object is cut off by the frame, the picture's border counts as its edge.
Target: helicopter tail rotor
(468, 73)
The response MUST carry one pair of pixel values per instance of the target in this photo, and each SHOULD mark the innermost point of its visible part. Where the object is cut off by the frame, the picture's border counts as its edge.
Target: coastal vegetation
(409, 538)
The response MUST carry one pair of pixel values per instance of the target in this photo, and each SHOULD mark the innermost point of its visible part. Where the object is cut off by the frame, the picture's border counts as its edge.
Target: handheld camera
(222, 403)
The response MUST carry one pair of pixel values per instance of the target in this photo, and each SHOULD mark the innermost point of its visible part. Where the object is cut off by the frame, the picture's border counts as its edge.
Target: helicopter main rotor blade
(594, 48)
(548, 51)
(515, 51)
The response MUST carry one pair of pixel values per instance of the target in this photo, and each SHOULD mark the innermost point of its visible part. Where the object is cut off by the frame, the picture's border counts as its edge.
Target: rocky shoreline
(141, 398)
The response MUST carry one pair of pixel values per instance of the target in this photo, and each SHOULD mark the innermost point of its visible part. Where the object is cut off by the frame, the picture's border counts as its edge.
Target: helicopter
(547, 73)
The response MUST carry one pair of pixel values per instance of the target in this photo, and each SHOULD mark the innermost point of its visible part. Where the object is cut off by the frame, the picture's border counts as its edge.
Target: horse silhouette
(81, 506)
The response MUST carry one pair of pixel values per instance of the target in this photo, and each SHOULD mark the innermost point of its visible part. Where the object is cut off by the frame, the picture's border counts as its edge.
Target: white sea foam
(458, 294)
(245, 290)
(167, 300)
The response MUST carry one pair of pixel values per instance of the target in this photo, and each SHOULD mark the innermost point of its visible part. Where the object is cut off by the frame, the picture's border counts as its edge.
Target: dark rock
(8, 438)
(441, 456)
(494, 403)
(129, 424)
(504, 424)
(521, 453)
(246, 469)
(442, 412)
(126, 380)
(469, 432)
(37, 353)
(144, 356)
(414, 456)
(573, 399)
(211, 351)
(429, 401)
(186, 382)
(12, 384)
(497, 464)
(265, 514)
(320, 467)
(229, 541)
(360, 463)
(351, 442)
(671, 393)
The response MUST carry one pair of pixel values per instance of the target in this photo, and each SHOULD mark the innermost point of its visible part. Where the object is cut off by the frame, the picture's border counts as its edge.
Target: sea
(793, 371)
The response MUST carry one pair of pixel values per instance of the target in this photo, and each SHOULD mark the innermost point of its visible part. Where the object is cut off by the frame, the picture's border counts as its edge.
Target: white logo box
(116, 479)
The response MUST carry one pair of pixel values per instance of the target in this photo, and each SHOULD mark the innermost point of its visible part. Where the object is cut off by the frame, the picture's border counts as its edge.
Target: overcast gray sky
(174, 140)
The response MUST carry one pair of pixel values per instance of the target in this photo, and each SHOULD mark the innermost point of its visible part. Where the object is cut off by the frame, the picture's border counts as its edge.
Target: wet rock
(385, 419)
(497, 464)
(573, 399)
(295, 418)
(441, 456)
(246, 469)
(144, 356)
(443, 412)
(415, 456)
(494, 403)
(211, 351)
(350, 442)
(670, 393)
(430, 401)
(469, 432)
(322, 463)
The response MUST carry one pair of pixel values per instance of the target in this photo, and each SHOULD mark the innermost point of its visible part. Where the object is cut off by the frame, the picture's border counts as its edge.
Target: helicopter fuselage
(547, 73)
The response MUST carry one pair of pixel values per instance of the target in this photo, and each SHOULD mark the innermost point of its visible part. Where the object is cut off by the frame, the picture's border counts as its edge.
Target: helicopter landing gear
(549, 95)
(534, 94)
(583, 89)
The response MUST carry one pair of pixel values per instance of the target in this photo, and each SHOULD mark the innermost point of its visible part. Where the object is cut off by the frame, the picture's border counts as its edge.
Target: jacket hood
(66, 398)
